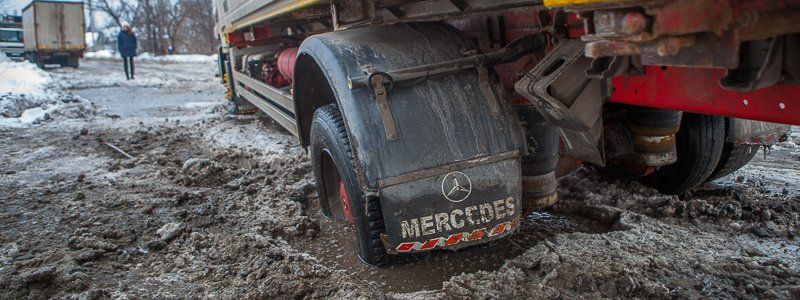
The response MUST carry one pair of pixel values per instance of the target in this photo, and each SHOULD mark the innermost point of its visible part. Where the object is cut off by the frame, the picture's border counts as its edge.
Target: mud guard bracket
(568, 99)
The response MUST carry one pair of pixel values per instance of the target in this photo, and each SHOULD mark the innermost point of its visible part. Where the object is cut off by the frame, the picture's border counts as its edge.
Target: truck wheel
(733, 158)
(700, 142)
(73, 62)
(338, 188)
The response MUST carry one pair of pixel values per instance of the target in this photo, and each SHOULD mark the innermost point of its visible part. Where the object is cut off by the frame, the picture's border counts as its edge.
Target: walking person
(126, 44)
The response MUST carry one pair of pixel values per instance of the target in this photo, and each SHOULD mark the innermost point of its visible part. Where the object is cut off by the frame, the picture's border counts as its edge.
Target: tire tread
(700, 142)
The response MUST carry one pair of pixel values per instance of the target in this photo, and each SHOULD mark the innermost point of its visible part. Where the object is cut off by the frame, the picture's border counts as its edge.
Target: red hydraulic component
(286, 60)
(253, 36)
(274, 77)
(697, 90)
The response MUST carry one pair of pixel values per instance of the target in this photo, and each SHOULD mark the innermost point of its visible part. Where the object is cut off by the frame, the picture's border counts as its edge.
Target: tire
(73, 62)
(733, 158)
(332, 160)
(699, 143)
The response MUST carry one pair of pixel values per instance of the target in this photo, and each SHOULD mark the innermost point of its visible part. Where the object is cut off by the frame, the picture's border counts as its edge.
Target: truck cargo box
(54, 26)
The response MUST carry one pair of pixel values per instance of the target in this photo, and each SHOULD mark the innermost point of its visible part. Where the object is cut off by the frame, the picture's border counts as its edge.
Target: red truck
(439, 124)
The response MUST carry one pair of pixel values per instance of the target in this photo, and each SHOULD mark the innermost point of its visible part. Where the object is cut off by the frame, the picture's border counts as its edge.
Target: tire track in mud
(336, 247)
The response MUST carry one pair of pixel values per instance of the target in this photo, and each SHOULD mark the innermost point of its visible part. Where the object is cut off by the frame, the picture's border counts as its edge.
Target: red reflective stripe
(498, 229)
(405, 247)
(475, 235)
(429, 244)
(515, 223)
(454, 239)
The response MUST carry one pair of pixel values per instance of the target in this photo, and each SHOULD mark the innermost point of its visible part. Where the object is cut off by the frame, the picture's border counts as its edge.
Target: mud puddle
(335, 248)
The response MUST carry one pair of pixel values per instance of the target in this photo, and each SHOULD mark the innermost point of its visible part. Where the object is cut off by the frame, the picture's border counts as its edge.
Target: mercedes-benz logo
(456, 186)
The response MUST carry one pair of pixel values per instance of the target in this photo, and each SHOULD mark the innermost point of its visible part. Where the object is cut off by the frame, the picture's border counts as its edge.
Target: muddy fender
(445, 127)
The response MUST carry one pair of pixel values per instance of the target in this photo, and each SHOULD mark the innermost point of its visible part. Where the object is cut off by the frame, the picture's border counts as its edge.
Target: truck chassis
(440, 124)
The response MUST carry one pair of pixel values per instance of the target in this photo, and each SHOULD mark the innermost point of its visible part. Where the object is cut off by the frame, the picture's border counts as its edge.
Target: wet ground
(439, 267)
(217, 206)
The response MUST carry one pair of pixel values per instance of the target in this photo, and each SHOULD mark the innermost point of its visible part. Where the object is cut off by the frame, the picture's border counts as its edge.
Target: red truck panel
(697, 90)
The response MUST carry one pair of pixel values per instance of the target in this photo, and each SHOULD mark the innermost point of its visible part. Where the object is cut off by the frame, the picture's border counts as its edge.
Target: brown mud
(213, 206)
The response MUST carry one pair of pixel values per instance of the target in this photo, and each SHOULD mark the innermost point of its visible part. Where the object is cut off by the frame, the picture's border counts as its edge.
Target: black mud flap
(453, 209)
(434, 147)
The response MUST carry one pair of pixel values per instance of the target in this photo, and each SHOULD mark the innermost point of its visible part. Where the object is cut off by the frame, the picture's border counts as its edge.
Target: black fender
(445, 124)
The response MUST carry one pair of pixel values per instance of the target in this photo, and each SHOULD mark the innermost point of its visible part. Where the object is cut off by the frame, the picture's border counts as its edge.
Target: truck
(440, 124)
(54, 32)
(11, 37)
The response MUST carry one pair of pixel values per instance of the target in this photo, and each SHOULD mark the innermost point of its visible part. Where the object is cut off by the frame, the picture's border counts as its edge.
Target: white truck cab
(11, 40)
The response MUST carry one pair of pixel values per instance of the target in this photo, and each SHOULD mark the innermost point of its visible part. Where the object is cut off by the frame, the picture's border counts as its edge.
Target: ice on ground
(101, 54)
(149, 57)
(177, 58)
(201, 104)
(762, 168)
(94, 74)
(793, 142)
(251, 136)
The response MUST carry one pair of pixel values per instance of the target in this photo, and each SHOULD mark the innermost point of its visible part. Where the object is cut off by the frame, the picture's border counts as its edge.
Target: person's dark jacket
(126, 44)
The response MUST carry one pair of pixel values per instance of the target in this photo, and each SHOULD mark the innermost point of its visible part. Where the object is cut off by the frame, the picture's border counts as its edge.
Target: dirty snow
(23, 78)
(149, 57)
(218, 206)
(30, 95)
(784, 156)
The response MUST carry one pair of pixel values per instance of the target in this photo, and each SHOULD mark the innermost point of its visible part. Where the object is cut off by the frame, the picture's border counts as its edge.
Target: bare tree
(185, 26)
(119, 11)
(199, 29)
(175, 19)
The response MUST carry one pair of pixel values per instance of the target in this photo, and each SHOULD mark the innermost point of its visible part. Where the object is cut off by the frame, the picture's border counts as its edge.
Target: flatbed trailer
(439, 124)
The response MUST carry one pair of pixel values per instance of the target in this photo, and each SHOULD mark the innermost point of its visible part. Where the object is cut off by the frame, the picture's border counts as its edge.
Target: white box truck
(11, 37)
(54, 32)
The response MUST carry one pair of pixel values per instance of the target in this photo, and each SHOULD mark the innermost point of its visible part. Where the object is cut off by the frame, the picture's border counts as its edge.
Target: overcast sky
(17, 6)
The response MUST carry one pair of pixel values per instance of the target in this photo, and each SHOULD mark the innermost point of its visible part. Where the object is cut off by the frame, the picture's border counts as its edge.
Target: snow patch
(252, 136)
(200, 104)
(22, 78)
(149, 57)
(29, 95)
(101, 54)
(177, 58)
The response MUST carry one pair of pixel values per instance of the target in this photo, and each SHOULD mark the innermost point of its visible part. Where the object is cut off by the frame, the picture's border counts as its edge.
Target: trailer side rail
(274, 102)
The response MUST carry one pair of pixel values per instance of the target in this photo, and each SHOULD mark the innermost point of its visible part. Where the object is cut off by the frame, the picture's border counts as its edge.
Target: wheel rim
(345, 202)
(336, 199)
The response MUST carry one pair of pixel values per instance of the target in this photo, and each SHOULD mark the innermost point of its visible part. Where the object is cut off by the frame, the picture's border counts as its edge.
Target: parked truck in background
(439, 124)
(54, 32)
(11, 37)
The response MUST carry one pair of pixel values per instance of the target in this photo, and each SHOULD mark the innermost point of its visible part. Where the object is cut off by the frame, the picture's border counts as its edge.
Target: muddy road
(219, 206)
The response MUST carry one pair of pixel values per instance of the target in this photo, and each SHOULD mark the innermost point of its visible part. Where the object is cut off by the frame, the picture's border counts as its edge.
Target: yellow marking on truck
(551, 3)
(282, 7)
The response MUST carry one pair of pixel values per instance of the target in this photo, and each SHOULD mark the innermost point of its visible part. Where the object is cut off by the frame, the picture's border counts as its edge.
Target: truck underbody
(439, 124)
